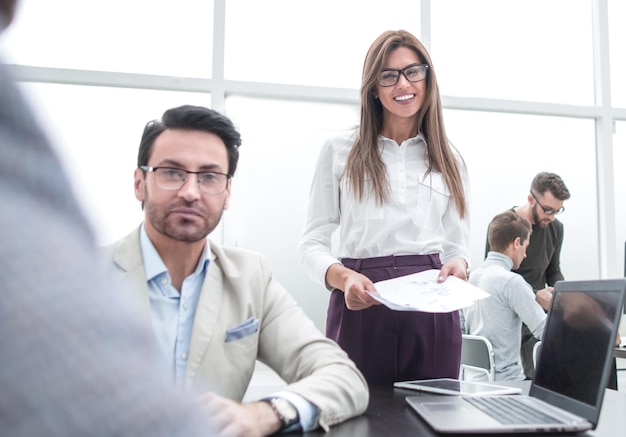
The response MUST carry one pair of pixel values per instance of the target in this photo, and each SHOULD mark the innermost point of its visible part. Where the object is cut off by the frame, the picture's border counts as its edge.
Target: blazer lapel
(127, 257)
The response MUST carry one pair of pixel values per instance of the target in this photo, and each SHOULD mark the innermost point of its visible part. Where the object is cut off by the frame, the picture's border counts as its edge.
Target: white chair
(536, 351)
(477, 358)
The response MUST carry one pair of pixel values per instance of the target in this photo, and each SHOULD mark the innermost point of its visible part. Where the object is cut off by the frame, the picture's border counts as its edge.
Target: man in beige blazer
(216, 310)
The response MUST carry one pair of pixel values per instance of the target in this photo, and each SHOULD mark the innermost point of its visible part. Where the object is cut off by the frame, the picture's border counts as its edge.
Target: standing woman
(398, 191)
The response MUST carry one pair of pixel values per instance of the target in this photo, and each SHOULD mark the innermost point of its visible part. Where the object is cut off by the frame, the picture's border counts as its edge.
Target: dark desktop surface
(388, 415)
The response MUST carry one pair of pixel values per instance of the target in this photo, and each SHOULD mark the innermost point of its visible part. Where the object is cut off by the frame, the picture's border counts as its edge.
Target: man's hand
(544, 297)
(232, 419)
(354, 286)
(453, 267)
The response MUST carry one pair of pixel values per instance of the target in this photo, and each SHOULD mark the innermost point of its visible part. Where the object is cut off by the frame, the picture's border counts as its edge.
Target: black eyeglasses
(210, 182)
(413, 73)
(548, 211)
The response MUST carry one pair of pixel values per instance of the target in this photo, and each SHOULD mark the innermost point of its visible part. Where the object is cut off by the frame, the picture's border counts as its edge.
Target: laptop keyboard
(509, 410)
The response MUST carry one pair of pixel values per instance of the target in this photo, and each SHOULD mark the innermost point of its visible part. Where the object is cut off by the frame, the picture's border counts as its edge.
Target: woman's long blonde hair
(364, 161)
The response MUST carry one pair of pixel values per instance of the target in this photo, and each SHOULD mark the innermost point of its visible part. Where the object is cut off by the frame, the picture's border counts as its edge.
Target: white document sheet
(422, 292)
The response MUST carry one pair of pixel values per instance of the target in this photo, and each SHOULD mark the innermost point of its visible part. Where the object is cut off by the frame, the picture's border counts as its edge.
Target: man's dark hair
(194, 118)
(545, 181)
(505, 228)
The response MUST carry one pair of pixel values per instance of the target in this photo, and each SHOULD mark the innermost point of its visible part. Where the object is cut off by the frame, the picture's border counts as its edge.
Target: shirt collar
(500, 258)
(419, 138)
(153, 264)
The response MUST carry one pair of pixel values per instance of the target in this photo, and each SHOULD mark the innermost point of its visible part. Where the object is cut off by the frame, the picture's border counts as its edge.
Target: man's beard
(179, 229)
(536, 218)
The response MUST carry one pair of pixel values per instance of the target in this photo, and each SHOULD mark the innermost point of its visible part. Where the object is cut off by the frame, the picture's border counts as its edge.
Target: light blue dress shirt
(172, 313)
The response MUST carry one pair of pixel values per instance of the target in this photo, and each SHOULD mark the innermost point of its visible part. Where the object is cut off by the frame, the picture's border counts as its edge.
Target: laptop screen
(578, 339)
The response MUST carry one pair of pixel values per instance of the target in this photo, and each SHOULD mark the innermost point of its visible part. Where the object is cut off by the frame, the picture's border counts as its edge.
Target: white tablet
(447, 386)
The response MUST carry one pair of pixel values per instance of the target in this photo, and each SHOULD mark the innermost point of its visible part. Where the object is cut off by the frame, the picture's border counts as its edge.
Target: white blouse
(419, 217)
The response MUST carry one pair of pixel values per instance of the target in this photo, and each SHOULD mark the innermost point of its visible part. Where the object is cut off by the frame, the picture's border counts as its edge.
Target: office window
(99, 144)
(617, 48)
(531, 50)
(320, 42)
(281, 143)
(514, 51)
(619, 160)
(131, 36)
(505, 151)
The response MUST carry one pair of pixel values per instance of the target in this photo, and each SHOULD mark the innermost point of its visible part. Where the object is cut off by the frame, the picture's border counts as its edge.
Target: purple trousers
(388, 345)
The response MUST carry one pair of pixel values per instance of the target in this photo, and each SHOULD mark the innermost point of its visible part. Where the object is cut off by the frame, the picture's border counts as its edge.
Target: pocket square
(242, 330)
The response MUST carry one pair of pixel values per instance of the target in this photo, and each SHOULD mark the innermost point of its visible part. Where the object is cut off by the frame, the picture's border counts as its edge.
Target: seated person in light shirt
(215, 310)
(511, 302)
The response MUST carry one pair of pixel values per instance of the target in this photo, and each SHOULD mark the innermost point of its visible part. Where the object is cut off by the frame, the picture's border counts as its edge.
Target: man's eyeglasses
(413, 73)
(209, 182)
(548, 211)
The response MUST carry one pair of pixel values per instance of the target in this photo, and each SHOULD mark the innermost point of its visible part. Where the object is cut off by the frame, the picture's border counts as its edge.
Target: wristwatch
(467, 270)
(286, 412)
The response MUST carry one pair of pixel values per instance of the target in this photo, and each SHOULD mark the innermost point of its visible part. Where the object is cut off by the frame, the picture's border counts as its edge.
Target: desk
(620, 352)
(388, 415)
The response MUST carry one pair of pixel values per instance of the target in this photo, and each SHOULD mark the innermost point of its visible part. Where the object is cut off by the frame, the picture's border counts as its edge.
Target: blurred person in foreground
(74, 360)
(215, 310)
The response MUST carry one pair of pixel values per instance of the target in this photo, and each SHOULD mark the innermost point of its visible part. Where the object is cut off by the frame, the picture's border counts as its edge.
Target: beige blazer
(243, 315)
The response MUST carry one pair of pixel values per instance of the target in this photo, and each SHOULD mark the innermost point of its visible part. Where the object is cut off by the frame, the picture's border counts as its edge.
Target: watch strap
(285, 410)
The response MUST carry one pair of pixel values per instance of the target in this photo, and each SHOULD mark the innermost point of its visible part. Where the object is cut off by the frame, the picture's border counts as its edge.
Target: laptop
(572, 371)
